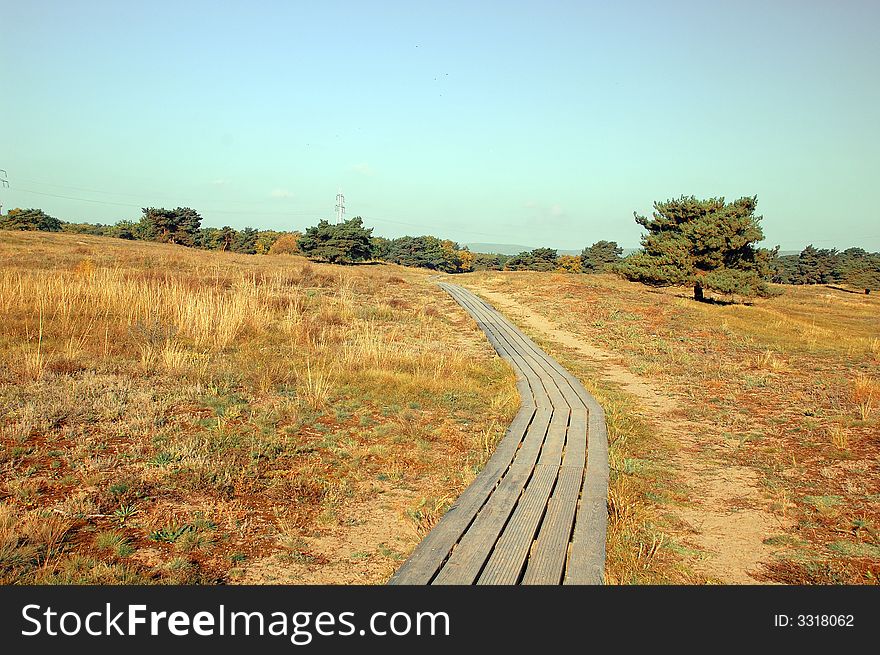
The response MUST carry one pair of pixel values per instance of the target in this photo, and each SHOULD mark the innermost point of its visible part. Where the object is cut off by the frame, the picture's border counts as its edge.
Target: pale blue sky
(540, 123)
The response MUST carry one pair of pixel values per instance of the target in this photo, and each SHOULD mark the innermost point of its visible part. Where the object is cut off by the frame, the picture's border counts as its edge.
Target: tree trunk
(698, 291)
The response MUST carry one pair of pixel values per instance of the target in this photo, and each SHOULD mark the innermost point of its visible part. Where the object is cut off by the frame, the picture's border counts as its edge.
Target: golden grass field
(170, 415)
(784, 393)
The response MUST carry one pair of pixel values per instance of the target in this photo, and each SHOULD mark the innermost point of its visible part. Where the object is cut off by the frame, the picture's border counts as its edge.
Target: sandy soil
(363, 550)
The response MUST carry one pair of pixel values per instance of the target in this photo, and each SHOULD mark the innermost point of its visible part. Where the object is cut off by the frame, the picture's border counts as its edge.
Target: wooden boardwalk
(536, 513)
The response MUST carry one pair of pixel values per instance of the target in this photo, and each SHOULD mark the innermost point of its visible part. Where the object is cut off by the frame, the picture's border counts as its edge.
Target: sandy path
(726, 511)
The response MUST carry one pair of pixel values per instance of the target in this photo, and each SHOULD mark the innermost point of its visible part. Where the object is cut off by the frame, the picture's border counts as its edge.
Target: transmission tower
(340, 207)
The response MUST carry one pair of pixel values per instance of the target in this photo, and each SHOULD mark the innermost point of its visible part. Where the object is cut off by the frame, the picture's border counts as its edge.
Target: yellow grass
(143, 383)
(786, 386)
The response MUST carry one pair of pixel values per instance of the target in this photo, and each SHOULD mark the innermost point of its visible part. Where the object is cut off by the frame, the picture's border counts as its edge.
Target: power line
(212, 211)
(425, 227)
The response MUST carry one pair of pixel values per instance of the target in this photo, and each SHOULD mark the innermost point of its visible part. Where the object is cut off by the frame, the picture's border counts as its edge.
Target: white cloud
(363, 169)
(281, 193)
(541, 210)
(219, 182)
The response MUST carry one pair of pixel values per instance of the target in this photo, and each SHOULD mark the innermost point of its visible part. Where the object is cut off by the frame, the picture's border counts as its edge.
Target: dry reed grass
(142, 381)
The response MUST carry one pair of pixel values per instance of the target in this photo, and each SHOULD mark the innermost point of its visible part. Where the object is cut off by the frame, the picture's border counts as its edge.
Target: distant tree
(380, 247)
(30, 219)
(342, 243)
(818, 266)
(487, 262)
(285, 245)
(188, 223)
(157, 224)
(466, 260)
(860, 269)
(784, 269)
(427, 252)
(539, 259)
(544, 259)
(521, 262)
(123, 230)
(569, 264)
(93, 229)
(705, 243)
(600, 256)
(208, 238)
(245, 241)
(225, 238)
(265, 239)
(180, 225)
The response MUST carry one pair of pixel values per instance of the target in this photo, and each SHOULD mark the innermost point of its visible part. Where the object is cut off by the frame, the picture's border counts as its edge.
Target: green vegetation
(539, 259)
(29, 219)
(424, 252)
(854, 267)
(600, 256)
(343, 243)
(705, 243)
(708, 244)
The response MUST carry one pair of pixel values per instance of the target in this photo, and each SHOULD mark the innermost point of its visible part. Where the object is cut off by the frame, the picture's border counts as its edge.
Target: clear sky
(537, 123)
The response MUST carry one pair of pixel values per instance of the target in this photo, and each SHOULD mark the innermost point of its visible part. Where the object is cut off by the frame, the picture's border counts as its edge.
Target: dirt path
(727, 513)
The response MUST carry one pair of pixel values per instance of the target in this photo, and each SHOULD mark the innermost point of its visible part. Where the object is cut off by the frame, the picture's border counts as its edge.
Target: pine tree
(342, 243)
(705, 243)
(600, 256)
(29, 219)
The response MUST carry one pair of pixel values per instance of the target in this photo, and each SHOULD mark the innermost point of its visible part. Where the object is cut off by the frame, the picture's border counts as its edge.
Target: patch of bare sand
(727, 513)
(364, 547)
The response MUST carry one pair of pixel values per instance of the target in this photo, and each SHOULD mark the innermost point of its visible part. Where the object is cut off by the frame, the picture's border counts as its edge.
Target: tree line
(709, 244)
(854, 266)
(181, 225)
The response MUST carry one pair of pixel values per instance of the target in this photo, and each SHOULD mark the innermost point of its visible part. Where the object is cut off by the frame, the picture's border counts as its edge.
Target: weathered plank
(510, 552)
(536, 512)
(548, 557)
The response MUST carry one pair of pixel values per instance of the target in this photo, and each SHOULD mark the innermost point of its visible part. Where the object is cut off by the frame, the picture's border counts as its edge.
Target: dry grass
(182, 405)
(866, 395)
(789, 386)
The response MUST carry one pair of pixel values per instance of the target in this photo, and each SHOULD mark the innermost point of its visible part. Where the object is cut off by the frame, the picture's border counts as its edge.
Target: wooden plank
(547, 559)
(551, 453)
(508, 558)
(468, 557)
(489, 531)
(586, 564)
(576, 440)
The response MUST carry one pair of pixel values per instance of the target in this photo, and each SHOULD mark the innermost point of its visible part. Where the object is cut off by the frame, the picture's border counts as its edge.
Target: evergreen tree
(180, 225)
(705, 243)
(225, 238)
(30, 219)
(245, 241)
(600, 256)
(818, 266)
(487, 262)
(123, 230)
(342, 243)
(544, 259)
(521, 262)
(187, 226)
